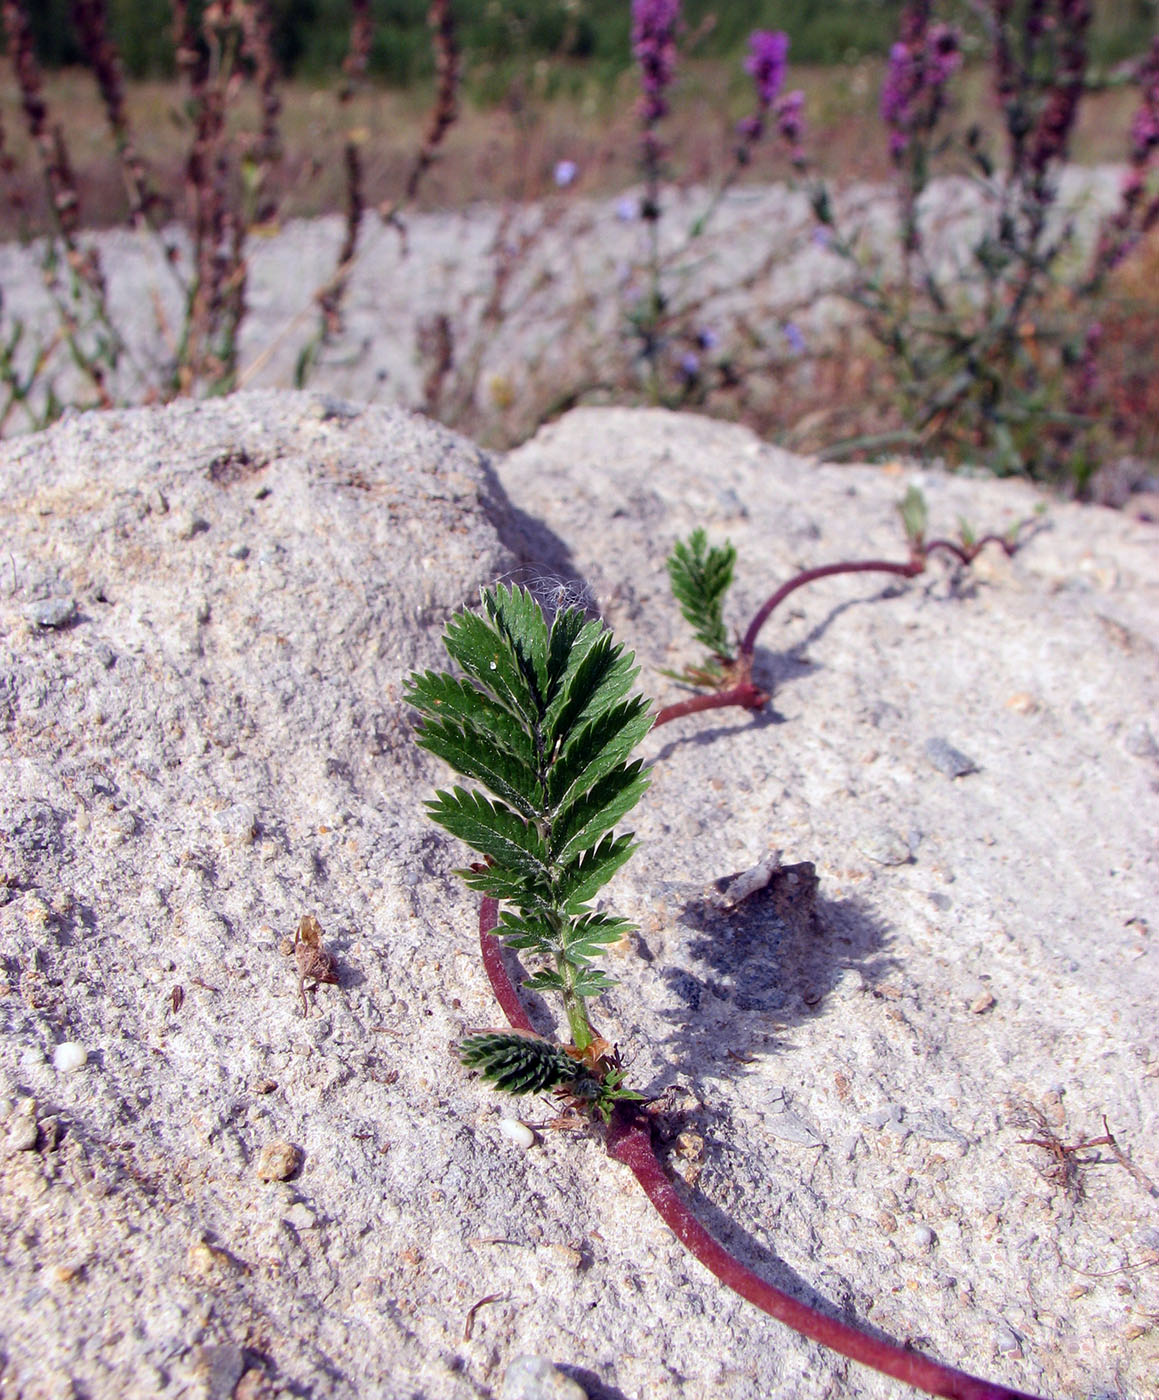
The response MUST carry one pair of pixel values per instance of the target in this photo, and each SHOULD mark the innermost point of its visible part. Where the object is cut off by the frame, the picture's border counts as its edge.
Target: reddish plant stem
(506, 992)
(862, 566)
(745, 694)
(629, 1140)
(750, 697)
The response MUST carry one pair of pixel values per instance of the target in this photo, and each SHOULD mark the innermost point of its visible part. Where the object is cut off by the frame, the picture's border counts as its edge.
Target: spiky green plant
(700, 579)
(542, 718)
(915, 517)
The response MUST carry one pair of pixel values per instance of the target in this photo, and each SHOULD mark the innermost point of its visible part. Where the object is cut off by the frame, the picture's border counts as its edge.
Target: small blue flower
(707, 338)
(627, 209)
(565, 173)
(822, 237)
(689, 364)
(795, 338)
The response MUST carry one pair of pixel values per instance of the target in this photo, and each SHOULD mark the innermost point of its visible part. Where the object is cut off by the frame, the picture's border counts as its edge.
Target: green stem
(577, 1015)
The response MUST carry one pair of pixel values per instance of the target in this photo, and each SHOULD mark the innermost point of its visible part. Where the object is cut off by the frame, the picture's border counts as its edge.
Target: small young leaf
(700, 579)
(914, 516)
(519, 1064)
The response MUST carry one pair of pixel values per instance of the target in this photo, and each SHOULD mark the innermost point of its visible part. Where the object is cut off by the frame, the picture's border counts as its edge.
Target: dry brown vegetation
(491, 154)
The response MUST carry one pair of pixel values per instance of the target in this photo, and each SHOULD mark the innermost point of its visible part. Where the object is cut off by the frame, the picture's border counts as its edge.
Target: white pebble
(69, 1055)
(518, 1132)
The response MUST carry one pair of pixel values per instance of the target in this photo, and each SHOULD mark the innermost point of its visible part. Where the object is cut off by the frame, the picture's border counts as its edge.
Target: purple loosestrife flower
(790, 116)
(1051, 136)
(921, 63)
(654, 25)
(766, 63)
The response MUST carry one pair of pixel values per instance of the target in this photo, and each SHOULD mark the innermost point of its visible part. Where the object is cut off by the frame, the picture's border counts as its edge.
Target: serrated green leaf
(543, 721)
(441, 696)
(595, 748)
(486, 655)
(509, 780)
(590, 871)
(545, 980)
(518, 617)
(585, 820)
(493, 880)
(603, 674)
(588, 936)
(566, 629)
(493, 829)
(529, 929)
(591, 982)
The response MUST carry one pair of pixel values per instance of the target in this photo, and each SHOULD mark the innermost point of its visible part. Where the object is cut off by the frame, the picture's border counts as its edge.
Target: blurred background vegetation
(502, 38)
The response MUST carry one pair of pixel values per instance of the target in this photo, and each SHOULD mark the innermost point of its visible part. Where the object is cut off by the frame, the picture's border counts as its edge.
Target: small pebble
(790, 1127)
(278, 1161)
(879, 1117)
(51, 612)
(983, 1002)
(187, 524)
(1139, 741)
(69, 1055)
(238, 551)
(518, 1133)
(301, 1217)
(22, 1134)
(1022, 703)
(949, 760)
(537, 1378)
(1006, 1342)
(884, 845)
(922, 1236)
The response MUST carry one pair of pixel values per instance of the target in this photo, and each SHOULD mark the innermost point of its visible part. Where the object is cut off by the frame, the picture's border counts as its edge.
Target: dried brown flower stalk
(146, 206)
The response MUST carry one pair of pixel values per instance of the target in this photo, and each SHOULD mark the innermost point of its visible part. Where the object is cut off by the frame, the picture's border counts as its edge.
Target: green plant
(700, 578)
(544, 721)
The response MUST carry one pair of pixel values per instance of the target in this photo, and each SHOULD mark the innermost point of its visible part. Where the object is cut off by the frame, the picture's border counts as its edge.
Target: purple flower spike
(766, 63)
(654, 25)
(921, 63)
(790, 115)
